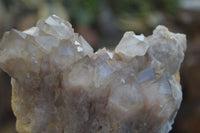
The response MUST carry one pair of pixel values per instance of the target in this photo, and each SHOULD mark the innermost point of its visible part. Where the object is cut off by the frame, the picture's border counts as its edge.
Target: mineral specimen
(59, 85)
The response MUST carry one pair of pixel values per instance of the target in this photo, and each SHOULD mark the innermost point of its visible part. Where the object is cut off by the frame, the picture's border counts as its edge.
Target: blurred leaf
(85, 11)
(82, 11)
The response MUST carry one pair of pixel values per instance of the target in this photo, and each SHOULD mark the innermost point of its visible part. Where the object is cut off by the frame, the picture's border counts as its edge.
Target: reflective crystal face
(59, 85)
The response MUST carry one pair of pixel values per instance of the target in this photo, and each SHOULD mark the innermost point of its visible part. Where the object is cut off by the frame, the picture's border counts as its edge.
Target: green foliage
(171, 6)
(132, 6)
(144, 6)
(84, 11)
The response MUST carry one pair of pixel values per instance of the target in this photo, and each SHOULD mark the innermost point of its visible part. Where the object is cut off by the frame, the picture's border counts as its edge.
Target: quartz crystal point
(59, 85)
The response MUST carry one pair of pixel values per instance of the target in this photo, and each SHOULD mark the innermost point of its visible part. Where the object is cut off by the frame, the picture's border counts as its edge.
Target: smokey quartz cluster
(59, 85)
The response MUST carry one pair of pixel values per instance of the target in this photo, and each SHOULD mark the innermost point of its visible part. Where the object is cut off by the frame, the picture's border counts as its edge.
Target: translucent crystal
(59, 85)
(165, 87)
(132, 45)
(146, 74)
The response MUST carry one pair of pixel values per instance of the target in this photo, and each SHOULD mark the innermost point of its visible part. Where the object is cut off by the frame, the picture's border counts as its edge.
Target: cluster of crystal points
(59, 85)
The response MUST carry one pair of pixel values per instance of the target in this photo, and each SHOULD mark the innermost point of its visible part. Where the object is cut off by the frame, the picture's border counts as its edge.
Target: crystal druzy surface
(59, 85)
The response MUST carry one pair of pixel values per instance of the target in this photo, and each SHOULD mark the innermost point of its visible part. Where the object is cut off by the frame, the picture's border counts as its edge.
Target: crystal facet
(59, 85)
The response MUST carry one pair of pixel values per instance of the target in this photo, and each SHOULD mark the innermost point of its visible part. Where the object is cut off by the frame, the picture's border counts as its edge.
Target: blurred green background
(102, 23)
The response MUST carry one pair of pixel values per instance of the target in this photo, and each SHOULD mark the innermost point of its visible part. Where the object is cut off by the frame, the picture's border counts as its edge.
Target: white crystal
(79, 49)
(47, 42)
(55, 26)
(60, 85)
(88, 50)
(66, 51)
(123, 81)
(146, 74)
(52, 22)
(131, 45)
(110, 54)
(139, 37)
(34, 31)
(21, 34)
(76, 43)
(104, 69)
(165, 87)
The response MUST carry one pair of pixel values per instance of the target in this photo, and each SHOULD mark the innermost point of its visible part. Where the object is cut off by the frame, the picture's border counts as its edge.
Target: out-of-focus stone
(59, 84)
